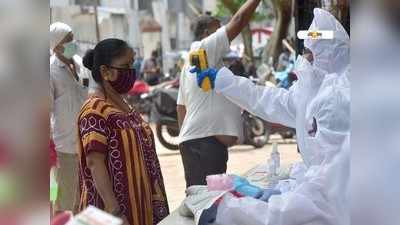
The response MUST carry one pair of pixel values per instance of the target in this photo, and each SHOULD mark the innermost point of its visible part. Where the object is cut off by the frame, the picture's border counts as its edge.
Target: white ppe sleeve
(276, 105)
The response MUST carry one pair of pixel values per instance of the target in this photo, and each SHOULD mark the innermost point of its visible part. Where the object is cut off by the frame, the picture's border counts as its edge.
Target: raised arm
(241, 18)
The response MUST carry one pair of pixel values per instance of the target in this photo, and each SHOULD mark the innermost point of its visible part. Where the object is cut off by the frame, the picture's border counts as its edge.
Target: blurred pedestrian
(67, 96)
(137, 65)
(151, 69)
(233, 61)
(283, 60)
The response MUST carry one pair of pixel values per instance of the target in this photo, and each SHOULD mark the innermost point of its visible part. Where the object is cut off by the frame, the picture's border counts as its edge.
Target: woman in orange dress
(119, 169)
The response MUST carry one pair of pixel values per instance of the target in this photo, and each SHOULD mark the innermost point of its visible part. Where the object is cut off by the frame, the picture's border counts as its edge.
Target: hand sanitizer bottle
(275, 156)
(272, 177)
(271, 168)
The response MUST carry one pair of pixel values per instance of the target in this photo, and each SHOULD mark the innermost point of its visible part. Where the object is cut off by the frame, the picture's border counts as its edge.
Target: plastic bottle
(271, 167)
(53, 186)
(275, 156)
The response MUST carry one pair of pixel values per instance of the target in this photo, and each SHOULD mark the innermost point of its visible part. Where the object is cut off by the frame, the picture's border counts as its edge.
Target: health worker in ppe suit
(321, 196)
(318, 106)
(288, 107)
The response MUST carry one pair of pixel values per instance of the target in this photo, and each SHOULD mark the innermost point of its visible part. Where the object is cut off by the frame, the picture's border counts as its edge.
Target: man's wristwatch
(118, 212)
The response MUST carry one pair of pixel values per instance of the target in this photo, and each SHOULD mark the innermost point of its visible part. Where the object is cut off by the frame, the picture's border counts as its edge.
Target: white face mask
(307, 73)
(302, 63)
(323, 60)
(70, 49)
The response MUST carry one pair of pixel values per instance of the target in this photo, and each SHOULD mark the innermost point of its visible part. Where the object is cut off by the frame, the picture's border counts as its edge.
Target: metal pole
(51, 15)
(136, 4)
(97, 20)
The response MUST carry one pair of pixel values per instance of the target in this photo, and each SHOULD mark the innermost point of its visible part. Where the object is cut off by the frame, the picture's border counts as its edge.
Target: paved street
(241, 159)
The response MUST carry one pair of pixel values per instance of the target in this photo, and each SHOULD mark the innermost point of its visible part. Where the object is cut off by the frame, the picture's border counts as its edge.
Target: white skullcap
(58, 31)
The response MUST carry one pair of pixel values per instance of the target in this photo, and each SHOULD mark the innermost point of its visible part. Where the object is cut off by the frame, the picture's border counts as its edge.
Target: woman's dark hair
(103, 54)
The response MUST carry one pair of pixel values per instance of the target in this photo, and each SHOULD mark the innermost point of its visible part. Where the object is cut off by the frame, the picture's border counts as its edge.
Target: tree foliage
(227, 8)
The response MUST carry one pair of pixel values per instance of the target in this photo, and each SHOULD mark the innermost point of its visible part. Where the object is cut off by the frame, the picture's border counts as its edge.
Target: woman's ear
(104, 72)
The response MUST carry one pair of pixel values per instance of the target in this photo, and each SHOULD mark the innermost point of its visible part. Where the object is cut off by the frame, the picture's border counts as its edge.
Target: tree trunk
(283, 16)
(248, 43)
(96, 20)
(340, 9)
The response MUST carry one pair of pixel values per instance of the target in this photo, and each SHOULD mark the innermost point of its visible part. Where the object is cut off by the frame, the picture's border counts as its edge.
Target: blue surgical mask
(70, 49)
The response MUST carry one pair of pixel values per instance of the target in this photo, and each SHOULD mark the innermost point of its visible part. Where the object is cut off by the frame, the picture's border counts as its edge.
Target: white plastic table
(257, 176)
(175, 219)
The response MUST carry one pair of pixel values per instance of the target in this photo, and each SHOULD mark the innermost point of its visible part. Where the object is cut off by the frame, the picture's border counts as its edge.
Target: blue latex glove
(267, 193)
(245, 188)
(211, 73)
(238, 181)
(249, 190)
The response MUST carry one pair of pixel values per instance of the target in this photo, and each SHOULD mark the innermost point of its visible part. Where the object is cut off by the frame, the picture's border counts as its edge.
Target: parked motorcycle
(163, 114)
(257, 131)
(254, 130)
(158, 103)
(140, 87)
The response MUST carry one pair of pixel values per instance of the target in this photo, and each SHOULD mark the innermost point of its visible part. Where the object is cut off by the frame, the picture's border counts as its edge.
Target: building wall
(209, 5)
(84, 28)
(184, 34)
(119, 24)
(116, 3)
(150, 42)
(61, 3)
(145, 5)
(175, 5)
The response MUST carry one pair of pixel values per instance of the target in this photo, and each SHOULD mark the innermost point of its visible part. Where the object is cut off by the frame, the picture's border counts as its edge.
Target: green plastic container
(53, 187)
(7, 188)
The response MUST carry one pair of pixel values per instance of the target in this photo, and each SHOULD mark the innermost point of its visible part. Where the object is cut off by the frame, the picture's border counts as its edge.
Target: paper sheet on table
(94, 216)
(259, 175)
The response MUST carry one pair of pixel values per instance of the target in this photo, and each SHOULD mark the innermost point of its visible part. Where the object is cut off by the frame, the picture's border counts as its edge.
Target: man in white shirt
(67, 96)
(209, 123)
